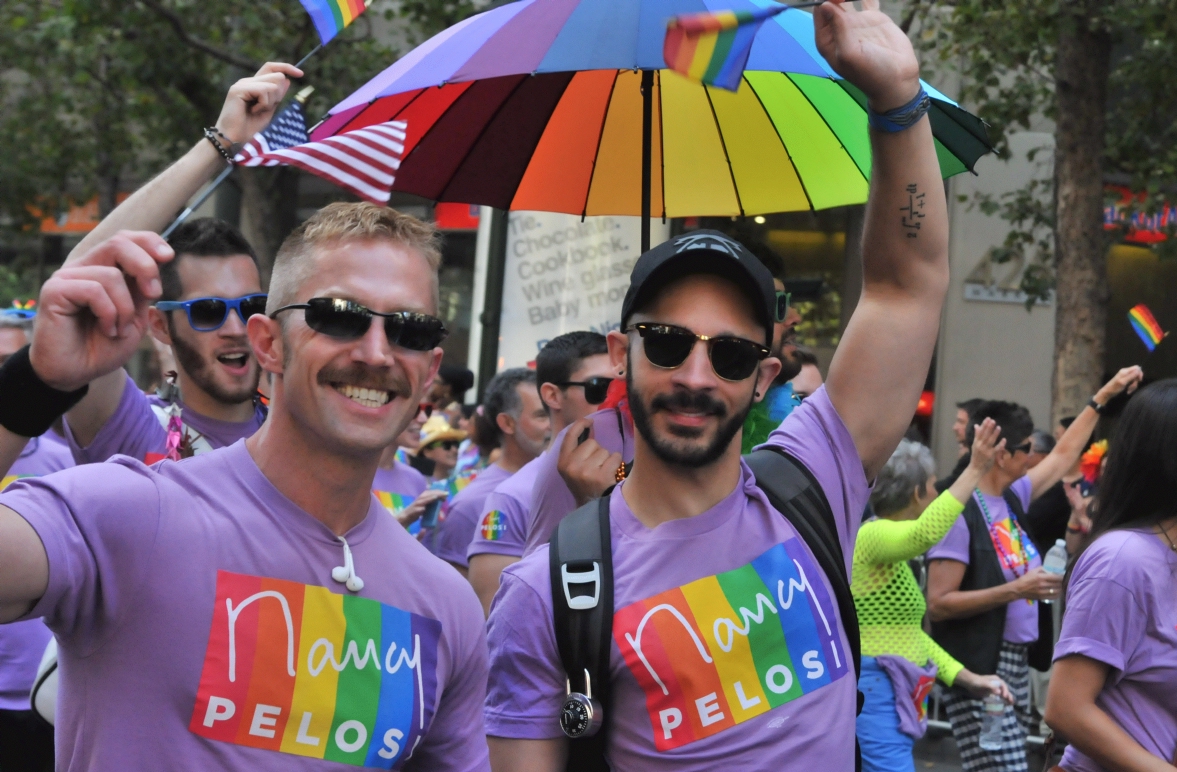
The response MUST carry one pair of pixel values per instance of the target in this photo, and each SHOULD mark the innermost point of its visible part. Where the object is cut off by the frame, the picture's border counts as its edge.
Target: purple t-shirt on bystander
(502, 526)
(23, 643)
(551, 500)
(1122, 611)
(1021, 616)
(200, 627)
(397, 486)
(728, 646)
(135, 430)
(453, 536)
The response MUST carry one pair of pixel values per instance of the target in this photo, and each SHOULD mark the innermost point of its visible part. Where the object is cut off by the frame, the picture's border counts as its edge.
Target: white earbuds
(346, 574)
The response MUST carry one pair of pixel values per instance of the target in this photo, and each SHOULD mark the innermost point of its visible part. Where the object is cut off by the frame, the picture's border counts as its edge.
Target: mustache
(365, 377)
(685, 400)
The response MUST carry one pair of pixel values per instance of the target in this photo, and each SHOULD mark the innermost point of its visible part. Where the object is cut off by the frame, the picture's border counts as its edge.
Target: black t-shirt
(1046, 520)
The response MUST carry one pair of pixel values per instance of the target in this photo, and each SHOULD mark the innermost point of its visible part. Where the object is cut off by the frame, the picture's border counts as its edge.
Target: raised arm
(248, 108)
(882, 362)
(1071, 445)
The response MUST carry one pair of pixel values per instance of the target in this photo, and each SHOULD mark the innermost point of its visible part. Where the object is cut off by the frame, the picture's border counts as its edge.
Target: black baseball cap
(702, 251)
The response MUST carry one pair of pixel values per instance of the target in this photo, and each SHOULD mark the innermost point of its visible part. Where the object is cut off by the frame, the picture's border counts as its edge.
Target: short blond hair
(341, 222)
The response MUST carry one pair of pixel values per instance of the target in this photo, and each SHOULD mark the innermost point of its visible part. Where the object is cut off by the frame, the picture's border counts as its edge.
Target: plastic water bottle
(1056, 561)
(992, 711)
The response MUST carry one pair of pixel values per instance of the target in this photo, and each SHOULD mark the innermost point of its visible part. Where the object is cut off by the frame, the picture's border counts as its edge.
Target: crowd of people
(311, 548)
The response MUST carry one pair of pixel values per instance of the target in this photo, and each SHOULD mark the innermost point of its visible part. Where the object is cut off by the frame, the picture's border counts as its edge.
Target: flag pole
(300, 97)
(313, 51)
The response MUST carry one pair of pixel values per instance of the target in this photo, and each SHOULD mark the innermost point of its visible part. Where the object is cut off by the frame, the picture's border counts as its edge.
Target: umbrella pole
(647, 130)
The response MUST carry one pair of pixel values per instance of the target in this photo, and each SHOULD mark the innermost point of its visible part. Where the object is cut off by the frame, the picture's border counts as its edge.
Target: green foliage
(99, 93)
(1005, 53)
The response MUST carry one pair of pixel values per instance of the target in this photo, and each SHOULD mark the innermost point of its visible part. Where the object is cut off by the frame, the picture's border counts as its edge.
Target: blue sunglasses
(208, 314)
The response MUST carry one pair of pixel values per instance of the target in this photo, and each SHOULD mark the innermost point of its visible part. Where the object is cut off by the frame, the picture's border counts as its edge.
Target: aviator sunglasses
(208, 314)
(348, 320)
(668, 346)
(595, 389)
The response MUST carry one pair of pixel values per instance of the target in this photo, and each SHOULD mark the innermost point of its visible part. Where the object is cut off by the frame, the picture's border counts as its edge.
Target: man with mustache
(252, 608)
(727, 648)
(208, 291)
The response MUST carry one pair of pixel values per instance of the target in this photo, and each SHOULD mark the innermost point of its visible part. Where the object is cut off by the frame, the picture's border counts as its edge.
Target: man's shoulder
(533, 571)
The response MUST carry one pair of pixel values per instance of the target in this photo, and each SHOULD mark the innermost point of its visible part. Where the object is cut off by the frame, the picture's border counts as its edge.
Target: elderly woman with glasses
(900, 662)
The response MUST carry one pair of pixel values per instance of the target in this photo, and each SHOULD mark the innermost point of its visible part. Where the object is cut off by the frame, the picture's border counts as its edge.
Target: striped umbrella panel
(571, 142)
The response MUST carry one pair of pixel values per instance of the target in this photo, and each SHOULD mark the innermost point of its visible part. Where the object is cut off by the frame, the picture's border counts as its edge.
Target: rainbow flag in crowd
(1146, 326)
(331, 16)
(713, 47)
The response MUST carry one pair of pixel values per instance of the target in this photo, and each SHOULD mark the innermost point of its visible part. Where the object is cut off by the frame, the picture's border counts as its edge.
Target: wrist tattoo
(912, 214)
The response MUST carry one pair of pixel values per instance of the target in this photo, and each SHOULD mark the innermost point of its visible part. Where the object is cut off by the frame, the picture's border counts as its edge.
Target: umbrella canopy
(539, 105)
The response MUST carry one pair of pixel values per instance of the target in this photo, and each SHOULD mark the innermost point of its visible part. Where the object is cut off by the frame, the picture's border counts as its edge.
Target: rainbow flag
(713, 47)
(724, 649)
(331, 16)
(1146, 326)
(295, 668)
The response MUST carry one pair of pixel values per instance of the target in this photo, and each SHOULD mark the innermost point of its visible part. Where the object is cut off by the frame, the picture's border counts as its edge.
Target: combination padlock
(581, 715)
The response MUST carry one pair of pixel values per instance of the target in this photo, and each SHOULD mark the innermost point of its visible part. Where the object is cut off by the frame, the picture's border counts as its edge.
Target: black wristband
(1095, 406)
(28, 405)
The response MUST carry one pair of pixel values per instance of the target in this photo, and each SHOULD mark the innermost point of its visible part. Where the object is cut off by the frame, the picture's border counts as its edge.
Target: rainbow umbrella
(567, 106)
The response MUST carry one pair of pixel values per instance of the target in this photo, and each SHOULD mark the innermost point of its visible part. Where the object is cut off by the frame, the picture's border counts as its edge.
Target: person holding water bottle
(985, 577)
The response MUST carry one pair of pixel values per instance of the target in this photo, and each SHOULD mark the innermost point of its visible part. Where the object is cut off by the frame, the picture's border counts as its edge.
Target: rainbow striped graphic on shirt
(298, 669)
(393, 502)
(493, 525)
(726, 648)
(10, 479)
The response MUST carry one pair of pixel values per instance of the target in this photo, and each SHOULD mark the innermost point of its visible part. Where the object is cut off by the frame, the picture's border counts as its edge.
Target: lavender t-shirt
(1021, 616)
(1122, 611)
(23, 643)
(134, 429)
(502, 526)
(453, 536)
(200, 627)
(397, 486)
(728, 649)
(551, 500)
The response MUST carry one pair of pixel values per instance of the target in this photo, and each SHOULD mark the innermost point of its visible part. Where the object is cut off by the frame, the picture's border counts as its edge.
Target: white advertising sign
(562, 275)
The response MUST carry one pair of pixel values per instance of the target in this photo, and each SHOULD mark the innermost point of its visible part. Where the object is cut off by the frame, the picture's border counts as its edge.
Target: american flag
(287, 129)
(363, 161)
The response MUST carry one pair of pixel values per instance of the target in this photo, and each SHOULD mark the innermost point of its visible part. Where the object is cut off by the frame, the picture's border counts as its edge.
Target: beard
(200, 370)
(790, 365)
(680, 448)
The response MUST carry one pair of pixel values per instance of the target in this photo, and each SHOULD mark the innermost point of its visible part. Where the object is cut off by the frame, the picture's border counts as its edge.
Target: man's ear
(552, 397)
(265, 338)
(157, 325)
(506, 423)
(618, 343)
(769, 369)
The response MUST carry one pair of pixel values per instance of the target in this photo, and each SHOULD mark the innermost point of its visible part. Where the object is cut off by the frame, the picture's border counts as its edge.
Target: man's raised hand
(251, 102)
(93, 312)
(869, 50)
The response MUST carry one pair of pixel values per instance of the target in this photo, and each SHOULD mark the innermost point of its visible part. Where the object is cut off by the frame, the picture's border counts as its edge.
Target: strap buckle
(593, 577)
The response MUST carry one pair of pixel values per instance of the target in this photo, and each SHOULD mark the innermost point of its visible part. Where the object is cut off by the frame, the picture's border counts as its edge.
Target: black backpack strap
(795, 493)
(581, 563)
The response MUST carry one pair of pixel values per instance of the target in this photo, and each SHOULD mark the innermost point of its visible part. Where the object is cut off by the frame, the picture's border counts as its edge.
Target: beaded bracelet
(211, 133)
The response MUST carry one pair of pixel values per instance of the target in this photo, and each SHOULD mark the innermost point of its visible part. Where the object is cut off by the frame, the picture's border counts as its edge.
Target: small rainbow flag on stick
(713, 47)
(331, 16)
(1146, 326)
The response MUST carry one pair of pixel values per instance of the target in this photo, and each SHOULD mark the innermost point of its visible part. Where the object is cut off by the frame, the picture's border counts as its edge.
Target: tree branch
(178, 25)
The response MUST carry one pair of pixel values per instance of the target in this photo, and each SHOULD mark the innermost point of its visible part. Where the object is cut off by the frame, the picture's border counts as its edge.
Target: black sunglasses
(425, 408)
(732, 358)
(595, 389)
(349, 320)
(443, 444)
(208, 314)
